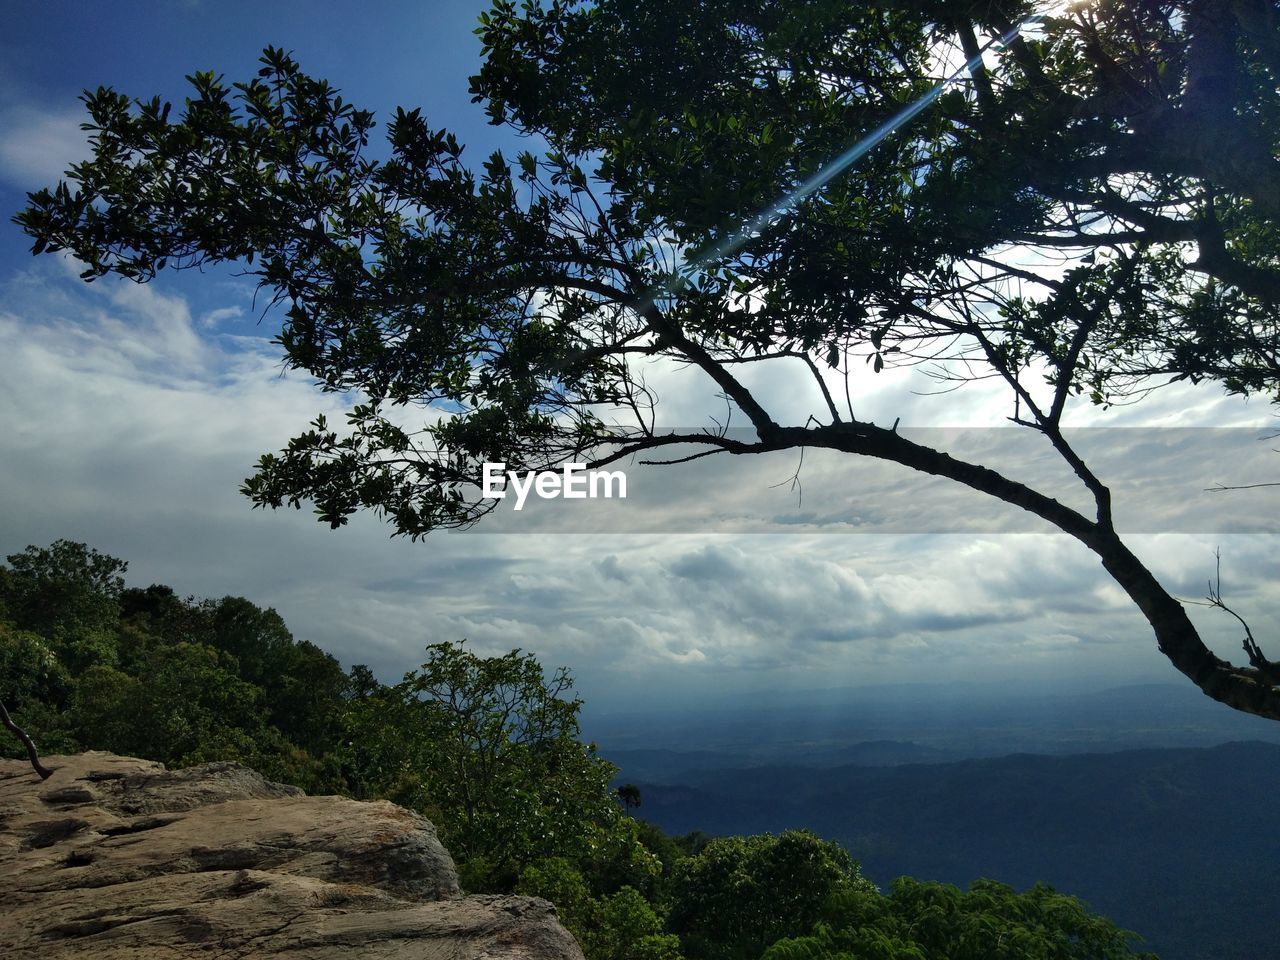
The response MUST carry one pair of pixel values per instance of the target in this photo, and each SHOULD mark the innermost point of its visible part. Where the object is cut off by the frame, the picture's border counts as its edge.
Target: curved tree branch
(32, 755)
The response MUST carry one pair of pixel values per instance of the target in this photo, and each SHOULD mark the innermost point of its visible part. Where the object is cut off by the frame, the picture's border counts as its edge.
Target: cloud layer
(38, 145)
(130, 424)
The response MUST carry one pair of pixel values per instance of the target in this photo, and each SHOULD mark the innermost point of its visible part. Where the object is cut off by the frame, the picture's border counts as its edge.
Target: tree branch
(32, 755)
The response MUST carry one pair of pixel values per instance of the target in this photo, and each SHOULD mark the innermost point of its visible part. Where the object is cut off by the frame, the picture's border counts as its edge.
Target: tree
(58, 606)
(69, 593)
(629, 796)
(88, 663)
(487, 748)
(186, 705)
(740, 894)
(620, 926)
(304, 686)
(940, 922)
(697, 215)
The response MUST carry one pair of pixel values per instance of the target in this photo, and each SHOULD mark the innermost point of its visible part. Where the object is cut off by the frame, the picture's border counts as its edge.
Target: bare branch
(32, 755)
(1269, 670)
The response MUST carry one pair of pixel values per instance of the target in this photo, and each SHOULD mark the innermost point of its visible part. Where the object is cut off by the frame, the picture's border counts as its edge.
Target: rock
(114, 858)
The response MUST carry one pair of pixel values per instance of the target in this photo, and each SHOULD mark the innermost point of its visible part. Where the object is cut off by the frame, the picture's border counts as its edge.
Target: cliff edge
(114, 857)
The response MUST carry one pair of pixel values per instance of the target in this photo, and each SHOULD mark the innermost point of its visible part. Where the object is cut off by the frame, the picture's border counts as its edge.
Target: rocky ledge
(113, 857)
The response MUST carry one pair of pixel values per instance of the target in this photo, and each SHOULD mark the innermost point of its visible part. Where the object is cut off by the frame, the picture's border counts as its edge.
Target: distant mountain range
(1181, 845)
(916, 723)
(691, 766)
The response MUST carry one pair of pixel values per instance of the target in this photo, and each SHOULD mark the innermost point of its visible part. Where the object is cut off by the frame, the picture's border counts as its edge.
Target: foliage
(63, 586)
(35, 686)
(488, 748)
(931, 921)
(620, 926)
(186, 705)
(740, 894)
(29, 669)
(89, 664)
(68, 593)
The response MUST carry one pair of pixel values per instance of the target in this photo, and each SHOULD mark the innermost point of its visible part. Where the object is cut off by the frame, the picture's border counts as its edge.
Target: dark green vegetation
(489, 749)
(86, 663)
(1133, 141)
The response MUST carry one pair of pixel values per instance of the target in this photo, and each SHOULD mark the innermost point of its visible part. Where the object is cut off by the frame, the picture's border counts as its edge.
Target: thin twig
(1267, 669)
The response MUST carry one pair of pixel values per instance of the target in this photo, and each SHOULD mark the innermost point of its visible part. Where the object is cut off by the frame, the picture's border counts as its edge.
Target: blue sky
(131, 414)
(392, 53)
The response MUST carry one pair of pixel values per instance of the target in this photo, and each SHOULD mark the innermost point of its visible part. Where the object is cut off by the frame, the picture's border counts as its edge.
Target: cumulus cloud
(37, 146)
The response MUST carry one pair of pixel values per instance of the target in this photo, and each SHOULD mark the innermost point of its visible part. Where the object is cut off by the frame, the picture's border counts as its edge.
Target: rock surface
(113, 857)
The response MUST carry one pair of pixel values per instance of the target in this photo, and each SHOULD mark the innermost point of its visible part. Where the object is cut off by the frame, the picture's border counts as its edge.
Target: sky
(131, 414)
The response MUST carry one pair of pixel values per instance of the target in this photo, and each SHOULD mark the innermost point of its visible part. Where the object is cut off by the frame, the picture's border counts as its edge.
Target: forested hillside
(488, 748)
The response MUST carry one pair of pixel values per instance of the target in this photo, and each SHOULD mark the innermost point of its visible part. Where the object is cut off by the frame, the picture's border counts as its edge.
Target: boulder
(114, 857)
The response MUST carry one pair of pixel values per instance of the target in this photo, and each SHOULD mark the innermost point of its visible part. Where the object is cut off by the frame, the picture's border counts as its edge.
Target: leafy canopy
(88, 663)
(488, 748)
(738, 895)
(934, 921)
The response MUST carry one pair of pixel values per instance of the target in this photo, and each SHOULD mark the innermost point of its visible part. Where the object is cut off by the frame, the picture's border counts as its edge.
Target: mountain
(690, 766)
(938, 722)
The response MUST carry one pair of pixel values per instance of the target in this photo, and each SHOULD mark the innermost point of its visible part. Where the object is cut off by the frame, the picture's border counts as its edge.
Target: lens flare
(840, 164)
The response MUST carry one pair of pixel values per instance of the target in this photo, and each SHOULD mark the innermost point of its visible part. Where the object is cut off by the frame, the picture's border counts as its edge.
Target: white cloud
(215, 317)
(37, 146)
